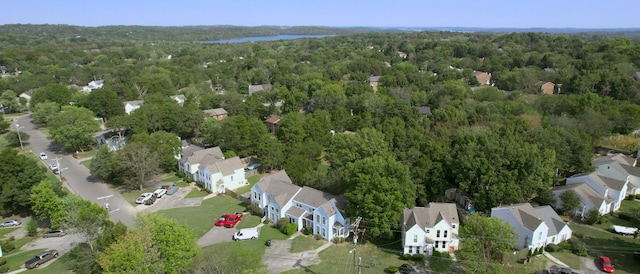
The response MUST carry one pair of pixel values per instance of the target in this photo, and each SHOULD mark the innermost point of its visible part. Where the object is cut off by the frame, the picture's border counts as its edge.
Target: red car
(220, 221)
(605, 262)
(232, 220)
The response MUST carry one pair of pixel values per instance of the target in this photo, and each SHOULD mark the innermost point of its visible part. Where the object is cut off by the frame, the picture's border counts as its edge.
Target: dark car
(41, 259)
(54, 233)
(407, 269)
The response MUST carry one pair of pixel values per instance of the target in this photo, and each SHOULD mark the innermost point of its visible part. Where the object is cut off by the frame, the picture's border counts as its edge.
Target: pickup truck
(41, 259)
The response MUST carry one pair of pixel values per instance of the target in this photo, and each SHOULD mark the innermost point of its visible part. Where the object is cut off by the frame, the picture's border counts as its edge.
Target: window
(232, 178)
(453, 226)
(410, 249)
(539, 235)
(445, 233)
(415, 238)
(324, 220)
(438, 234)
(427, 230)
(324, 233)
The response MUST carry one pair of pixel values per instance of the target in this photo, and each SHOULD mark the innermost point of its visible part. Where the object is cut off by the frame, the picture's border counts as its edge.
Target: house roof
(273, 119)
(633, 170)
(215, 111)
(424, 110)
(374, 78)
(312, 197)
(189, 150)
(279, 185)
(296, 211)
(585, 191)
(429, 216)
(201, 156)
(618, 157)
(133, 103)
(551, 218)
(476, 73)
(524, 213)
(224, 166)
(256, 88)
(602, 180)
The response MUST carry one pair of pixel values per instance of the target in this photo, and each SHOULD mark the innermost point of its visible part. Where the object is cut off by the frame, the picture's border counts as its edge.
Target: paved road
(77, 177)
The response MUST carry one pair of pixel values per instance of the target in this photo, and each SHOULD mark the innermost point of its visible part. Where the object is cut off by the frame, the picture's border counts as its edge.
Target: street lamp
(18, 127)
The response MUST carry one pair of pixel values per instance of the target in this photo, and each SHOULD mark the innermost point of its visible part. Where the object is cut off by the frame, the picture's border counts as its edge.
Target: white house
(434, 227)
(95, 84)
(179, 98)
(219, 174)
(612, 188)
(130, 106)
(589, 198)
(277, 197)
(530, 227)
(559, 230)
(622, 168)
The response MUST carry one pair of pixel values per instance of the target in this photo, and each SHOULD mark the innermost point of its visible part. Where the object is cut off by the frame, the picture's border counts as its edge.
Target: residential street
(76, 177)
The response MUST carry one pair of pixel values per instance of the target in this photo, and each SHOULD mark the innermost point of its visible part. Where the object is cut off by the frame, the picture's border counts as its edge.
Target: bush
(32, 228)
(4, 269)
(337, 240)
(625, 216)
(580, 250)
(564, 246)
(180, 174)
(7, 246)
(593, 216)
(392, 269)
(417, 257)
(552, 248)
(317, 237)
(307, 230)
(3, 261)
(289, 229)
(638, 196)
(406, 256)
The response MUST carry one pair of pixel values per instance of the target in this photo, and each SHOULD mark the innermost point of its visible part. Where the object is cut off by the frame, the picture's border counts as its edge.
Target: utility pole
(356, 266)
(18, 127)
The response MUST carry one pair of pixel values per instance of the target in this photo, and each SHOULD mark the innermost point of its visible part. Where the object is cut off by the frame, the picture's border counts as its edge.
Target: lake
(266, 38)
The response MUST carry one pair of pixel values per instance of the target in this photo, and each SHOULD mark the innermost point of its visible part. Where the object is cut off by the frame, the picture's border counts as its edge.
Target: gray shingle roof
(256, 88)
(296, 211)
(224, 166)
(279, 185)
(618, 157)
(429, 216)
(632, 170)
(524, 213)
(585, 191)
(312, 197)
(198, 156)
(551, 218)
(215, 111)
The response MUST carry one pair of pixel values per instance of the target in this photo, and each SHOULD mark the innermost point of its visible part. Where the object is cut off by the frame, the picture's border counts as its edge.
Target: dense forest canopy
(505, 142)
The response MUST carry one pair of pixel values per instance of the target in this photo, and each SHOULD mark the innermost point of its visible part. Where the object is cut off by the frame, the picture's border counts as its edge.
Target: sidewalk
(554, 259)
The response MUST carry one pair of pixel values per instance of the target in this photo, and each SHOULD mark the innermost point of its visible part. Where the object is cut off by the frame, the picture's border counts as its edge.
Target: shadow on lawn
(620, 250)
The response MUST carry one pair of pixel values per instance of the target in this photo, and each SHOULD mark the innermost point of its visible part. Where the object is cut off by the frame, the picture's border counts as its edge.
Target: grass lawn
(619, 248)
(3, 141)
(537, 263)
(568, 258)
(132, 194)
(61, 265)
(170, 179)
(202, 218)
(86, 163)
(304, 243)
(195, 193)
(247, 221)
(626, 207)
(252, 181)
(182, 184)
(82, 154)
(15, 261)
(5, 231)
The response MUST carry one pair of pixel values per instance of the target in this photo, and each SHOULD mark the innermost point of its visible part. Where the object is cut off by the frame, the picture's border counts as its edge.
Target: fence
(244, 199)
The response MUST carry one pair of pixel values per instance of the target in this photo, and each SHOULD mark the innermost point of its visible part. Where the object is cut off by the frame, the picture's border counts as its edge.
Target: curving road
(76, 177)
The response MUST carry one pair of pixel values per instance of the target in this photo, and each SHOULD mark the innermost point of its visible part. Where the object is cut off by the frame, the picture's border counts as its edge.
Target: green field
(202, 218)
(304, 243)
(196, 193)
(619, 248)
(16, 260)
(87, 163)
(59, 266)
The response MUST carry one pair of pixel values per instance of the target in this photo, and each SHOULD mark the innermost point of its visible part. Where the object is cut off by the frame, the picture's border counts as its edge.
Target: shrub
(625, 216)
(289, 229)
(3, 261)
(337, 240)
(564, 246)
(307, 230)
(406, 256)
(552, 248)
(638, 196)
(417, 257)
(593, 216)
(392, 269)
(580, 250)
(7, 246)
(317, 237)
(4, 269)
(32, 228)
(180, 174)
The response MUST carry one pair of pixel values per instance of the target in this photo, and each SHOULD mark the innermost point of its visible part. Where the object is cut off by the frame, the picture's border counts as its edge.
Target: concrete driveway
(217, 234)
(278, 258)
(172, 201)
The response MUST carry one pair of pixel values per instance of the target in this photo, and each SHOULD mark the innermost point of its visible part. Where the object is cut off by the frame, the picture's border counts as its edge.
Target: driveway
(76, 177)
(61, 244)
(217, 234)
(278, 258)
(172, 201)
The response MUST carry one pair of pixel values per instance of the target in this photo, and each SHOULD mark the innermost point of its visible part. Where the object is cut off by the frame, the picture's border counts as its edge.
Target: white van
(246, 233)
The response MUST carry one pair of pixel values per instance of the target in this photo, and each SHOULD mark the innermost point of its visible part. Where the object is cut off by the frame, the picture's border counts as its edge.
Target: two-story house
(531, 229)
(277, 197)
(219, 174)
(589, 198)
(130, 106)
(559, 230)
(612, 188)
(620, 167)
(434, 227)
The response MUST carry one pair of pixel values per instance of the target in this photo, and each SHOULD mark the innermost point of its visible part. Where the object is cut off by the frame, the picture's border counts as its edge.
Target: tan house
(547, 87)
(216, 113)
(373, 82)
(273, 123)
(484, 78)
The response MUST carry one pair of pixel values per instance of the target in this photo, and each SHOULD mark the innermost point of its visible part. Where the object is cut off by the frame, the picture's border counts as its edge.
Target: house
(547, 87)
(216, 113)
(589, 198)
(373, 82)
(257, 88)
(434, 227)
(210, 167)
(483, 78)
(178, 98)
(402, 55)
(26, 95)
(636, 76)
(531, 229)
(612, 188)
(559, 230)
(424, 110)
(130, 106)
(620, 167)
(95, 84)
(277, 197)
(273, 123)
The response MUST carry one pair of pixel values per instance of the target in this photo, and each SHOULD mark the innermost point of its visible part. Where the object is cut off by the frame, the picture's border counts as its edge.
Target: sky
(338, 13)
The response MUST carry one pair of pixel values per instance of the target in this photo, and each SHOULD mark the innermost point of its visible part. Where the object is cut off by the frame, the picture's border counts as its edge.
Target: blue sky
(408, 13)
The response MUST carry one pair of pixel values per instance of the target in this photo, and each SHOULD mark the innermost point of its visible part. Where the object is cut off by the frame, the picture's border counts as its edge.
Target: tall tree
(74, 127)
(46, 203)
(483, 241)
(570, 201)
(139, 163)
(18, 174)
(43, 113)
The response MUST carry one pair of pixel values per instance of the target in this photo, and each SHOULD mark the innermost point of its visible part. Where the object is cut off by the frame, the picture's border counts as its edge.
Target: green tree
(88, 218)
(18, 174)
(271, 153)
(378, 189)
(104, 164)
(140, 164)
(164, 144)
(14, 140)
(43, 113)
(570, 201)
(74, 127)
(46, 203)
(104, 103)
(483, 241)
(52, 93)
(135, 252)
(9, 100)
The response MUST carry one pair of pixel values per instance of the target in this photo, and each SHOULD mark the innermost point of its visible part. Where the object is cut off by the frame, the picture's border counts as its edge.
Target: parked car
(232, 220)
(151, 200)
(220, 221)
(246, 233)
(160, 192)
(9, 223)
(407, 269)
(41, 259)
(54, 168)
(144, 197)
(253, 166)
(606, 265)
(43, 156)
(554, 269)
(172, 190)
(54, 233)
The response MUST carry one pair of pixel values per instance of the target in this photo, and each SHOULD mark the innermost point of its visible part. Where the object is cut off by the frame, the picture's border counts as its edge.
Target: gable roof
(200, 156)
(256, 88)
(603, 181)
(374, 78)
(279, 185)
(618, 157)
(215, 111)
(224, 166)
(551, 218)
(133, 103)
(312, 197)
(585, 191)
(273, 119)
(424, 110)
(429, 216)
(523, 213)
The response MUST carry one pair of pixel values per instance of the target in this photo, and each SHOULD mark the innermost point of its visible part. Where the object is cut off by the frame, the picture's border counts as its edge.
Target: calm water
(266, 38)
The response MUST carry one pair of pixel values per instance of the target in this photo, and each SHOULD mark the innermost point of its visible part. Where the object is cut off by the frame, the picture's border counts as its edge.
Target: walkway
(554, 259)
(278, 258)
